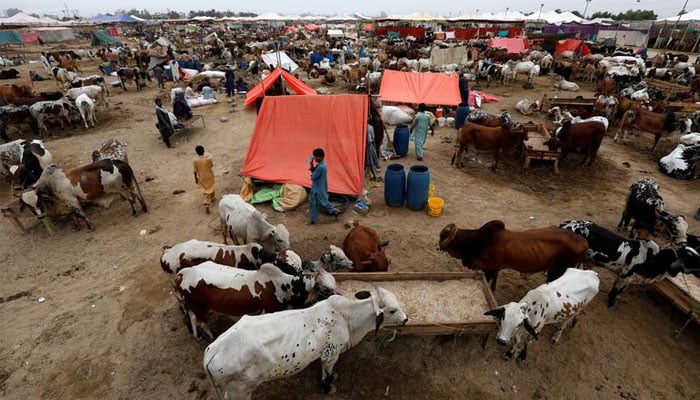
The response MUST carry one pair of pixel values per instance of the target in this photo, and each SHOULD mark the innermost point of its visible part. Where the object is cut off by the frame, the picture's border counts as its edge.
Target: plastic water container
(438, 113)
(401, 134)
(417, 187)
(435, 205)
(461, 117)
(441, 121)
(394, 185)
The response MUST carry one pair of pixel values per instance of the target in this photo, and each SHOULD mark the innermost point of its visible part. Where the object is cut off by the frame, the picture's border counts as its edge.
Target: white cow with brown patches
(193, 252)
(266, 347)
(559, 301)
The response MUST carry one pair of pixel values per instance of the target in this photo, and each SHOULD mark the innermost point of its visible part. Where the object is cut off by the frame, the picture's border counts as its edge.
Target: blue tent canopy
(109, 19)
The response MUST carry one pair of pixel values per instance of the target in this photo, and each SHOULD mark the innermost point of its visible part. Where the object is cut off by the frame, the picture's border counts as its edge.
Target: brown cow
(363, 247)
(492, 248)
(605, 87)
(579, 137)
(496, 140)
(648, 121)
(13, 94)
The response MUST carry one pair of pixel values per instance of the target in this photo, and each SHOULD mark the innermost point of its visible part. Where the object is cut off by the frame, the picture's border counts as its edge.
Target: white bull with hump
(240, 220)
(267, 347)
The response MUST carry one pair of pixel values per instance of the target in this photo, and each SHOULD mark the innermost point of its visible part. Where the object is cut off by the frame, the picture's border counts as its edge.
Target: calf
(363, 247)
(21, 152)
(331, 260)
(241, 220)
(62, 76)
(646, 207)
(578, 137)
(194, 252)
(86, 107)
(129, 74)
(267, 347)
(492, 248)
(658, 124)
(99, 182)
(634, 261)
(560, 302)
(235, 292)
(495, 140)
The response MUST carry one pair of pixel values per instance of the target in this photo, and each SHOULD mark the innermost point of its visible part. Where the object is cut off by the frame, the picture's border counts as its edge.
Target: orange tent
(289, 128)
(421, 87)
(574, 45)
(289, 80)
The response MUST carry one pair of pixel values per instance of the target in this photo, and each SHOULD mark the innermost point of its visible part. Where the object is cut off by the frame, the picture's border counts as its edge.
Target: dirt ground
(110, 328)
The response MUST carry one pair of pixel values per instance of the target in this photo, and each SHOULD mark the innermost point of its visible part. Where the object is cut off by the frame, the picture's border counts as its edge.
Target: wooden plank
(402, 276)
(678, 297)
(438, 329)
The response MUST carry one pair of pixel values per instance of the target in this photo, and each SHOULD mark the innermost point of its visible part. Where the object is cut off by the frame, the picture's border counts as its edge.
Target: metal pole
(658, 38)
(586, 9)
(696, 44)
(680, 13)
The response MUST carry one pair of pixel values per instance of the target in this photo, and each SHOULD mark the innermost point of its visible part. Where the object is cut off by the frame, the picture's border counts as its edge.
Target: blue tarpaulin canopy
(108, 19)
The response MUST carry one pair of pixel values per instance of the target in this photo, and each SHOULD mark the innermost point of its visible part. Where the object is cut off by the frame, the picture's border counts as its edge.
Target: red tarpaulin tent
(289, 80)
(420, 87)
(574, 45)
(289, 128)
(514, 45)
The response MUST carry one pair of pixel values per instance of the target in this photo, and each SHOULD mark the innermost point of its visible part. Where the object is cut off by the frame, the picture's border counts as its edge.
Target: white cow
(87, 109)
(563, 84)
(527, 107)
(95, 92)
(559, 301)
(241, 220)
(272, 346)
(394, 115)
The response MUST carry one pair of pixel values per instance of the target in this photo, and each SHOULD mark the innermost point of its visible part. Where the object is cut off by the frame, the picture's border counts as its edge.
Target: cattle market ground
(110, 328)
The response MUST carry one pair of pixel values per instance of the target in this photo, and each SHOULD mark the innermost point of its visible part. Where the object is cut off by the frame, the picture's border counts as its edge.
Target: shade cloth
(289, 128)
(420, 87)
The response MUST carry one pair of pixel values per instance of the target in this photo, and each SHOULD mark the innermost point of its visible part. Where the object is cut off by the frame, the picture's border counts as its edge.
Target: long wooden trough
(436, 303)
(577, 102)
(684, 291)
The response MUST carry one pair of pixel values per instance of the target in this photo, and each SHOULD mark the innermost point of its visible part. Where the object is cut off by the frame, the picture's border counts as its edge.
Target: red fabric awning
(420, 87)
(514, 45)
(290, 81)
(289, 128)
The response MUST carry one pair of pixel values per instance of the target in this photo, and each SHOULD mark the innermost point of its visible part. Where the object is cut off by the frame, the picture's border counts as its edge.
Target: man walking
(230, 81)
(419, 129)
(204, 176)
(318, 197)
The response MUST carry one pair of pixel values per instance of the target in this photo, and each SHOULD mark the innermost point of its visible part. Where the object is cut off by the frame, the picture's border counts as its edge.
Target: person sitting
(685, 77)
(181, 109)
(189, 92)
(241, 86)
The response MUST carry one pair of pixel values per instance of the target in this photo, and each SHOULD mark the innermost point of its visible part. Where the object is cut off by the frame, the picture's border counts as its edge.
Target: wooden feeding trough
(535, 149)
(572, 104)
(667, 88)
(25, 220)
(684, 291)
(436, 303)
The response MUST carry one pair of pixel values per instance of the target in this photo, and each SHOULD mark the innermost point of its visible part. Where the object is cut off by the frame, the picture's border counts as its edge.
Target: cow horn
(450, 237)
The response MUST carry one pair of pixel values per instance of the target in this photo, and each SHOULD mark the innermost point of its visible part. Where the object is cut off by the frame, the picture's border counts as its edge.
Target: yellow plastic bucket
(435, 205)
(431, 191)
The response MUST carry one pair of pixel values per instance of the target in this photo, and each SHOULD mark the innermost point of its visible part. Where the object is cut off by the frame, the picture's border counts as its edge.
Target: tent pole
(696, 44)
(279, 65)
(658, 38)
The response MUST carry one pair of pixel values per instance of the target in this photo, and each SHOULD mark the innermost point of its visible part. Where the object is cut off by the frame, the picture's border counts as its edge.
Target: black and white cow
(24, 160)
(646, 207)
(129, 74)
(45, 111)
(634, 261)
(680, 163)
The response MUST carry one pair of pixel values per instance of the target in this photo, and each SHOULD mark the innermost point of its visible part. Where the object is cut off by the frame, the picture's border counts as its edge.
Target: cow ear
(384, 244)
(365, 294)
(498, 312)
(530, 329)
(379, 322)
(492, 226)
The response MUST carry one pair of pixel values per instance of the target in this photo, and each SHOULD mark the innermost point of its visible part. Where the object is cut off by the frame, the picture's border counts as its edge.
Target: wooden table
(534, 149)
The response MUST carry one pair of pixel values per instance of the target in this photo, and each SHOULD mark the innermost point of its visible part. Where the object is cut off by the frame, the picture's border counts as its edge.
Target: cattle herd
(262, 284)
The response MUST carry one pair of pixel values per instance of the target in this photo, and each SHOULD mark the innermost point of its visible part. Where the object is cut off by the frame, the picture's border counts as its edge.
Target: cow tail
(210, 377)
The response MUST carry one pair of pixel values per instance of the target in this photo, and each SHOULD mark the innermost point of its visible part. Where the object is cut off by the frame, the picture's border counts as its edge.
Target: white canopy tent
(693, 15)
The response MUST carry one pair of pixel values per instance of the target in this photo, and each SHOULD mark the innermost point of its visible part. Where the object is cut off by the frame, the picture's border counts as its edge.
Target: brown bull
(495, 140)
